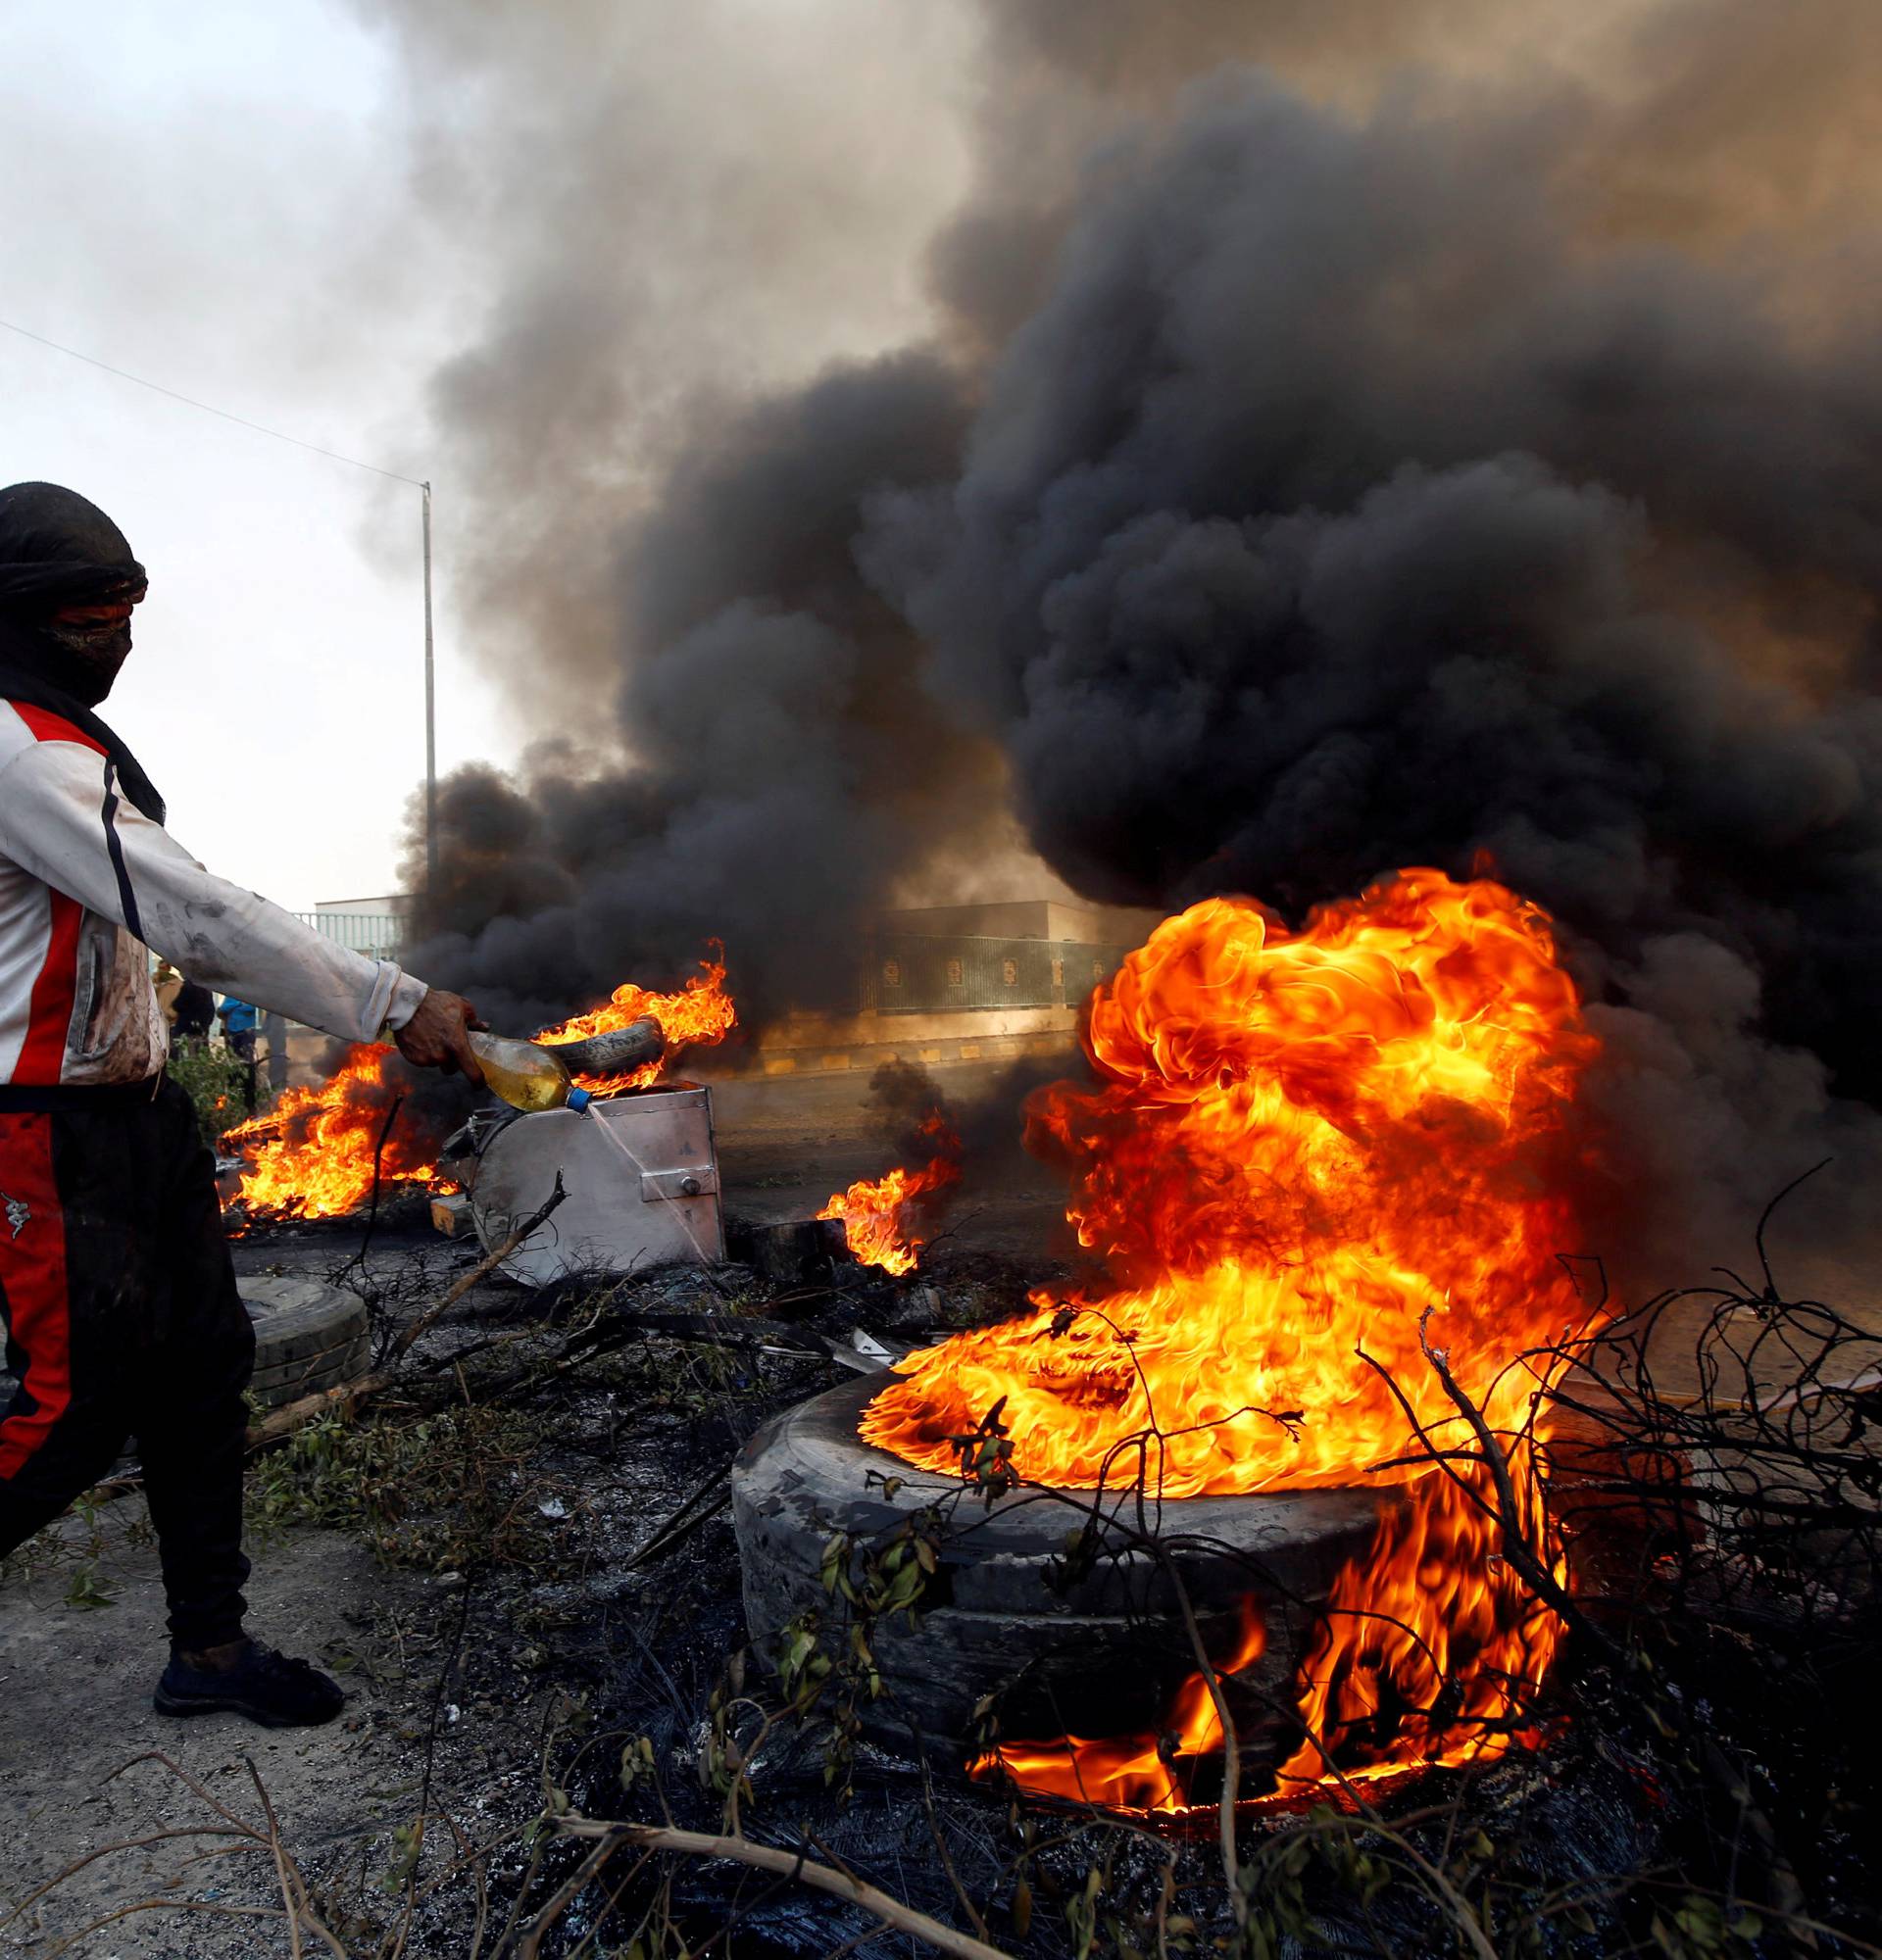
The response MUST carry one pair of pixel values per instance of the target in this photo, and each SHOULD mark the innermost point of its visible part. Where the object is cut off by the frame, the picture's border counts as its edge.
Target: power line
(209, 409)
(332, 456)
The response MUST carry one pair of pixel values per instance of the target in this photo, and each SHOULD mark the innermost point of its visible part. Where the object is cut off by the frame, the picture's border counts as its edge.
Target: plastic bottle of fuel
(525, 1076)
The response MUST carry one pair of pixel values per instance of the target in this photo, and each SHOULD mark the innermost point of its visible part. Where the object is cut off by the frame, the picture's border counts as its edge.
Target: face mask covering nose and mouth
(67, 581)
(96, 641)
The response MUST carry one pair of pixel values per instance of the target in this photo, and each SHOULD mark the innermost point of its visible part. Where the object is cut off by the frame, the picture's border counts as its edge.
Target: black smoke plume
(1343, 508)
(787, 764)
(1321, 469)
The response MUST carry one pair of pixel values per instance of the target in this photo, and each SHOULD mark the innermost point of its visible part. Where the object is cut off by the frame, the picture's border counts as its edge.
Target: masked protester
(121, 1311)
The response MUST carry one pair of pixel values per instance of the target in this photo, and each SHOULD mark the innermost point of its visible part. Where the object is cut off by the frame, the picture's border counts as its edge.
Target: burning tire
(1070, 1645)
(308, 1337)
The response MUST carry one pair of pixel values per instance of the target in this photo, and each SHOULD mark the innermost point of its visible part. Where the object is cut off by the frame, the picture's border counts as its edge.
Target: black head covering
(59, 549)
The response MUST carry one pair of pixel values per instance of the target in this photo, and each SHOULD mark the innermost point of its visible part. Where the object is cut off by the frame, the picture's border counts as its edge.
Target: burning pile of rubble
(321, 1152)
(1258, 1503)
(1325, 1173)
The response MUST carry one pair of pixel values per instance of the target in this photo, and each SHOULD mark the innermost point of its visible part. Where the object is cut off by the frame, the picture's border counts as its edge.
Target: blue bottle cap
(580, 1100)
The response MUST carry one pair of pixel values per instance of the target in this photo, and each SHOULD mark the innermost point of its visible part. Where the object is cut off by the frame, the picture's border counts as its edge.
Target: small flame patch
(885, 1220)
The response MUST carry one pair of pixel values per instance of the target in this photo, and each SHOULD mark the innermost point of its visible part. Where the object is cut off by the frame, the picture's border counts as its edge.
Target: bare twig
(1803, 1177)
(484, 1267)
(1516, 1548)
(791, 1865)
(1231, 1753)
(973, 1911)
(686, 1520)
(281, 1423)
(290, 1903)
(295, 1909)
(373, 1210)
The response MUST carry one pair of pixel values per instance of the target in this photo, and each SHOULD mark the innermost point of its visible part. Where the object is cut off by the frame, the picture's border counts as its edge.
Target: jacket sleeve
(62, 819)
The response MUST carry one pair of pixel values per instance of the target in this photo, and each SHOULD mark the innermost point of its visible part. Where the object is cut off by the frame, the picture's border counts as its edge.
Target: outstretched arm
(62, 819)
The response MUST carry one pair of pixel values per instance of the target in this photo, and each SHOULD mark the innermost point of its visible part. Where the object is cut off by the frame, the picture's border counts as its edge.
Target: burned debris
(1580, 1702)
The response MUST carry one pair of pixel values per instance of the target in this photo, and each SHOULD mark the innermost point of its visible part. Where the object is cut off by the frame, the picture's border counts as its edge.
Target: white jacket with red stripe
(87, 883)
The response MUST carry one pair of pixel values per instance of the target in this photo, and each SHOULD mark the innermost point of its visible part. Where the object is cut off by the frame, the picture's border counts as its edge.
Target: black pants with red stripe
(123, 1320)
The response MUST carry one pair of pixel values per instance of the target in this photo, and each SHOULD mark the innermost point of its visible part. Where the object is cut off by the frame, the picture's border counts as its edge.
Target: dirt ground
(452, 1687)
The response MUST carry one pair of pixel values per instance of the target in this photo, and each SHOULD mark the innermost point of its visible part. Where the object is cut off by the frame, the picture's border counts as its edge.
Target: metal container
(642, 1183)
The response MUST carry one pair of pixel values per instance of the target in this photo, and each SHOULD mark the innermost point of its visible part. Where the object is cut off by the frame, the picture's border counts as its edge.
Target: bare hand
(438, 1035)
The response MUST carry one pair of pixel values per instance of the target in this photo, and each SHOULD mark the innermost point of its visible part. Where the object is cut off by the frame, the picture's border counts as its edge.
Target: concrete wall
(827, 1044)
(1026, 918)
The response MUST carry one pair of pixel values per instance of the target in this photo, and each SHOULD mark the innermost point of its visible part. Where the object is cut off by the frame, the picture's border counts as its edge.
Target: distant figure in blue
(239, 1020)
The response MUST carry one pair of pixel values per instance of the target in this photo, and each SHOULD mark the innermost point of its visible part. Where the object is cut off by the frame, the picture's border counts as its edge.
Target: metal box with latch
(641, 1177)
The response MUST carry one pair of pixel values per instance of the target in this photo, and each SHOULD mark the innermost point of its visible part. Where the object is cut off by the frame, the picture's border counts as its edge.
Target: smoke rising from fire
(1346, 506)
(788, 765)
(1332, 447)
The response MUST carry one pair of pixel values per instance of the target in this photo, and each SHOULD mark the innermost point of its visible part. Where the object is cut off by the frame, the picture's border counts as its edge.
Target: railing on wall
(913, 975)
(378, 935)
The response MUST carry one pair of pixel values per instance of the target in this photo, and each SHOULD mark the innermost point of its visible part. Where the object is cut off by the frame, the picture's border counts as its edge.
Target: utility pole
(431, 715)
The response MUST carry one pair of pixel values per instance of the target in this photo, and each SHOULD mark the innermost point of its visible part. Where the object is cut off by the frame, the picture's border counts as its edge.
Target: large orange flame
(310, 1157)
(1299, 1143)
(883, 1222)
(1433, 1649)
(699, 1016)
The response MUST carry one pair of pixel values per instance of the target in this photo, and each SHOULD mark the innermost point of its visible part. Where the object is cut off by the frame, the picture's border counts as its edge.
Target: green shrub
(217, 1079)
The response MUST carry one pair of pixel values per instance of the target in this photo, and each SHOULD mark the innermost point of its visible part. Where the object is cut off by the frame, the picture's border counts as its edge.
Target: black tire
(1099, 1653)
(308, 1337)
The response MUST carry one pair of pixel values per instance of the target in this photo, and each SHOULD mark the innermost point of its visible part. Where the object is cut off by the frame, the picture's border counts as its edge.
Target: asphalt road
(787, 1143)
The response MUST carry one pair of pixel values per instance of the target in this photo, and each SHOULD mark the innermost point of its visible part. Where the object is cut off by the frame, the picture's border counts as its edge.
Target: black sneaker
(266, 1686)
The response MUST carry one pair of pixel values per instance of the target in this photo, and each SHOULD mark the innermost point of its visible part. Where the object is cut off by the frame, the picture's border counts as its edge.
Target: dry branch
(296, 1911)
(1516, 1546)
(484, 1267)
(283, 1422)
(789, 1865)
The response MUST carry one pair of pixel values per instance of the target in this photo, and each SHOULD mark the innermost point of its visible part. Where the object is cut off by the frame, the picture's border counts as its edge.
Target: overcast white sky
(244, 204)
(213, 195)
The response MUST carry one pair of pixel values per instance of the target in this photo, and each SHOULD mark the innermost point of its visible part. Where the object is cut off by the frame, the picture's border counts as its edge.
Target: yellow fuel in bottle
(525, 1076)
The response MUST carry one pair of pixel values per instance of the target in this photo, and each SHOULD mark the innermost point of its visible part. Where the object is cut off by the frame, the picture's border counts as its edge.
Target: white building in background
(374, 926)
